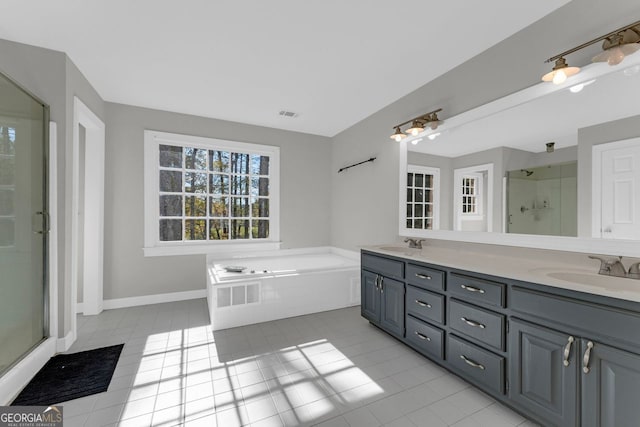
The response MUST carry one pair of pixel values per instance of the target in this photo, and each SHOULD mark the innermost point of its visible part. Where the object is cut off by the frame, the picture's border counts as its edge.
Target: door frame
(93, 235)
(596, 182)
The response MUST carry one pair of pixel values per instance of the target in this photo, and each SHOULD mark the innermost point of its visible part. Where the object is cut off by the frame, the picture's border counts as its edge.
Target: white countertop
(564, 276)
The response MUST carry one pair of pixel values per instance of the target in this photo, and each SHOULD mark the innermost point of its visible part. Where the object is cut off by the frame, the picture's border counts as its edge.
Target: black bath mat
(70, 376)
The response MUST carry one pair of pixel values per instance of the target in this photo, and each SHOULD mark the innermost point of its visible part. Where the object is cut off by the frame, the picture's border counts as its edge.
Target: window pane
(259, 186)
(7, 202)
(409, 180)
(219, 161)
(419, 195)
(260, 208)
(7, 231)
(428, 196)
(170, 205)
(7, 140)
(171, 181)
(7, 170)
(240, 185)
(239, 163)
(239, 228)
(195, 158)
(419, 180)
(240, 206)
(195, 229)
(417, 223)
(218, 206)
(195, 206)
(219, 229)
(195, 182)
(409, 195)
(171, 156)
(259, 165)
(260, 229)
(409, 223)
(428, 210)
(409, 210)
(428, 224)
(170, 229)
(219, 184)
(428, 181)
(418, 210)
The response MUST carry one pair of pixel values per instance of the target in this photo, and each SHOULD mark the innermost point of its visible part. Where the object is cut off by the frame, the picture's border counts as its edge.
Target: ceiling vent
(289, 114)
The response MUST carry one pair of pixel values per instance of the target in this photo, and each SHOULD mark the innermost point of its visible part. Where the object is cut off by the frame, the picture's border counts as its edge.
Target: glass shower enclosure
(543, 200)
(23, 223)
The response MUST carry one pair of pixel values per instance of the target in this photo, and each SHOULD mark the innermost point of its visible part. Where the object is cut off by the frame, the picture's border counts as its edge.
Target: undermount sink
(582, 278)
(397, 249)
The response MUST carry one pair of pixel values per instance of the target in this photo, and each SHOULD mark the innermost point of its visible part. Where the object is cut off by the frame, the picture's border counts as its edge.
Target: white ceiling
(333, 62)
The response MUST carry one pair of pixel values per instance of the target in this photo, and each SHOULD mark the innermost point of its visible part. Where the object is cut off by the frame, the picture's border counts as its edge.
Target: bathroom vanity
(559, 345)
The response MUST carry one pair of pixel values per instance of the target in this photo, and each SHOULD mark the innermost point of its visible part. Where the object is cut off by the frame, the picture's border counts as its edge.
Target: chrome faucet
(414, 243)
(614, 267)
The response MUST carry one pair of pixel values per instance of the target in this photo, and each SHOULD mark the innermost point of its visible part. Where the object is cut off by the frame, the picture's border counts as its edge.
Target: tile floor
(327, 369)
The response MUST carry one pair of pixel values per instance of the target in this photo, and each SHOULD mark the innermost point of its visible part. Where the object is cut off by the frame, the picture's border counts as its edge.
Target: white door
(620, 186)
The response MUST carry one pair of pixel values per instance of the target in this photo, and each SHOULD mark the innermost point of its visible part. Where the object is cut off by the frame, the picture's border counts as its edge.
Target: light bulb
(559, 77)
(414, 131)
(398, 138)
(616, 55)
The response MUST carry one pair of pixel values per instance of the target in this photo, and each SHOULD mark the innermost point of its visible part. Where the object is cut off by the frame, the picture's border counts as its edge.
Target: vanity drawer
(385, 266)
(425, 277)
(478, 323)
(425, 337)
(481, 365)
(477, 290)
(424, 305)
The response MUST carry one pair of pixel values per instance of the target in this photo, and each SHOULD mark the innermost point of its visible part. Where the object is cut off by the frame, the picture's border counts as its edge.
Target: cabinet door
(611, 387)
(539, 380)
(392, 294)
(370, 297)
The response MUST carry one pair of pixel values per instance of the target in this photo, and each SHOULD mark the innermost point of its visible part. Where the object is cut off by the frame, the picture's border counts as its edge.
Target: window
(471, 193)
(209, 193)
(423, 184)
(7, 185)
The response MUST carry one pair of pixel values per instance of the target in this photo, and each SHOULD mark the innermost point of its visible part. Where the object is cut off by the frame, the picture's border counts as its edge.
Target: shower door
(23, 223)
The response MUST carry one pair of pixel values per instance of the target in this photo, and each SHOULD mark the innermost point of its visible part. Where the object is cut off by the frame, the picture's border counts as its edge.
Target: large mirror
(547, 164)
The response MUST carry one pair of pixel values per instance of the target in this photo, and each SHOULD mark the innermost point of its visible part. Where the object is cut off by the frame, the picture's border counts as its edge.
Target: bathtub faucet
(414, 243)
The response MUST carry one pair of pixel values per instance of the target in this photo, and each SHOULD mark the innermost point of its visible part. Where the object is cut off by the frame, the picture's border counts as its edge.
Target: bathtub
(281, 284)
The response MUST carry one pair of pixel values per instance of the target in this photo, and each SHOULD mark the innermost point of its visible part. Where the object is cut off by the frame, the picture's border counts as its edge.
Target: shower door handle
(45, 222)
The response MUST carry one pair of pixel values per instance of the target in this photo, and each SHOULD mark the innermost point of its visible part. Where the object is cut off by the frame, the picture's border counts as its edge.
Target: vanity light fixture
(616, 45)
(433, 136)
(398, 135)
(418, 125)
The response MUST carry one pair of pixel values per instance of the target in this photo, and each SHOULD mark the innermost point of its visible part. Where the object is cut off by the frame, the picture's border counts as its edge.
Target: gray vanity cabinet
(543, 372)
(382, 297)
(370, 296)
(610, 386)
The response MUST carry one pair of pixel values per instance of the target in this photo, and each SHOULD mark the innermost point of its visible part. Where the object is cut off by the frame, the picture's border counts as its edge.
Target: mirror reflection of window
(473, 198)
(423, 197)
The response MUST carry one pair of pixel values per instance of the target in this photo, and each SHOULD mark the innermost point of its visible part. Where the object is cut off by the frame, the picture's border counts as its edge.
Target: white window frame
(152, 244)
(487, 203)
(427, 170)
(477, 195)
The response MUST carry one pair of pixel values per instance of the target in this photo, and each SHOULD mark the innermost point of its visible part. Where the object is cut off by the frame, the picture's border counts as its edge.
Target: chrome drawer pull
(423, 304)
(423, 276)
(567, 351)
(422, 337)
(586, 357)
(472, 323)
(472, 289)
(471, 362)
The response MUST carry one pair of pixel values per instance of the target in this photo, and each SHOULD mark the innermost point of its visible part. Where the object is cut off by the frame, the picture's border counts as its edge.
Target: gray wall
(304, 196)
(365, 201)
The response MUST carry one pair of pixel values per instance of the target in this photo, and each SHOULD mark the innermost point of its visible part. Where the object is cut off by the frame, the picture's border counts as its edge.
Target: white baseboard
(110, 304)
(65, 343)
(19, 376)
